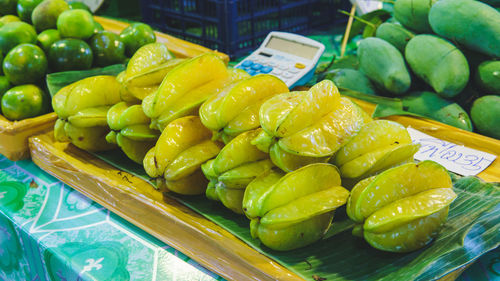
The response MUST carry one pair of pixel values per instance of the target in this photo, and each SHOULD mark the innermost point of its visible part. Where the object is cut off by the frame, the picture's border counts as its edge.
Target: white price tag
(366, 6)
(456, 158)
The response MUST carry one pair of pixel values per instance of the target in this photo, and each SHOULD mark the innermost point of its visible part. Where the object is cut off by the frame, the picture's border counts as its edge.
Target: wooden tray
(173, 223)
(168, 220)
(14, 134)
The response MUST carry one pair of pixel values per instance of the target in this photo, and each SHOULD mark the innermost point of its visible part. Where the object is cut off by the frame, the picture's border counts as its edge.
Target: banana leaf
(472, 229)
(58, 80)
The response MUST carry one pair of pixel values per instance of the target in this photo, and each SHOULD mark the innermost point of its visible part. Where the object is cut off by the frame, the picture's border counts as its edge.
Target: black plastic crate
(236, 27)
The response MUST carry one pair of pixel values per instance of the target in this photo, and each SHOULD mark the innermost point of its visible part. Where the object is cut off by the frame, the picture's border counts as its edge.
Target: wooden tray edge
(235, 259)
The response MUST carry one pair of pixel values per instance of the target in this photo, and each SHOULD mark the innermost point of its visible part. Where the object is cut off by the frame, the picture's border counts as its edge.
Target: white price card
(366, 6)
(456, 158)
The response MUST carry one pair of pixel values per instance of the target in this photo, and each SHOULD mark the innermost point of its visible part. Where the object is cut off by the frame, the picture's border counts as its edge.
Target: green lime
(45, 15)
(8, 7)
(78, 5)
(76, 24)
(9, 18)
(24, 101)
(70, 54)
(47, 37)
(15, 33)
(4, 85)
(107, 48)
(135, 36)
(25, 64)
(25, 8)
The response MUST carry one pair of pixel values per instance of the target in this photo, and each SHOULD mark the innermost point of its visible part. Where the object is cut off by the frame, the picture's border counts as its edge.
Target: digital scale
(290, 57)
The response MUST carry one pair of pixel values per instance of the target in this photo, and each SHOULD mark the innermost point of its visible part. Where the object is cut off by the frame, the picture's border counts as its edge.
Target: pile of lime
(38, 37)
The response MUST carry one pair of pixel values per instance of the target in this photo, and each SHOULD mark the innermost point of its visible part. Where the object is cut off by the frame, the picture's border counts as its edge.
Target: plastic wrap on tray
(14, 135)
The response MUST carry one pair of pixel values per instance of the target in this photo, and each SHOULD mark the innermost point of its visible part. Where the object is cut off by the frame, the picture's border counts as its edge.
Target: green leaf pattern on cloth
(48, 231)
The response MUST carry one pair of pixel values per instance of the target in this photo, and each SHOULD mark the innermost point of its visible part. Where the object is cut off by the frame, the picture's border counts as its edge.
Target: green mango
(488, 76)
(470, 23)
(413, 14)
(485, 113)
(350, 79)
(439, 63)
(431, 105)
(395, 34)
(384, 65)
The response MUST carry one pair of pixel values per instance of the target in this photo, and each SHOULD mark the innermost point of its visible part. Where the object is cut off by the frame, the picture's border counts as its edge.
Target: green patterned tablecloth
(48, 231)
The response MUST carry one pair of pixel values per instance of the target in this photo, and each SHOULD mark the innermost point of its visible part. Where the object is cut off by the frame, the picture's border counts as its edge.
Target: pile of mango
(38, 37)
(285, 160)
(440, 58)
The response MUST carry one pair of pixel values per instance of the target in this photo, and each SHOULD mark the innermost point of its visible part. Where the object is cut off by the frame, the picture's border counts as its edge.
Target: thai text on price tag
(456, 158)
(366, 6)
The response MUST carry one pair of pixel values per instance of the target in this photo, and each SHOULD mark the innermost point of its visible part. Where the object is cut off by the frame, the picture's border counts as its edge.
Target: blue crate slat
(238, 26)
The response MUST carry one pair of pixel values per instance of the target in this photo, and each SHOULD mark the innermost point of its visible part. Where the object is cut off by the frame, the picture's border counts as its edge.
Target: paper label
(366, 6)
(456, 158)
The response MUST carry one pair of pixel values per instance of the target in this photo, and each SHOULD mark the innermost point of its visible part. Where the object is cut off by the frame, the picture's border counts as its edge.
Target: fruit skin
(431, 105)
(15, 33)
(82, 106)
(379, 145)
(236, 165)
(293, 210)
(146, 70)
(4, 85)
(384, 65)
(439, 63)
(24, 101)
(182, 148)
(470, 23)
(107, 49)
(403, 208)
(130, 130)
(70, 54)
(314, 123)
(488, 77)
(135, 36)
(395, 34)
(45, 15)
(351, 79)
(485, 113)
(8, 18)
(186, 77)
(46, 38)
(413, 14)
(77, 24)
(25, 64)
(25, 9)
